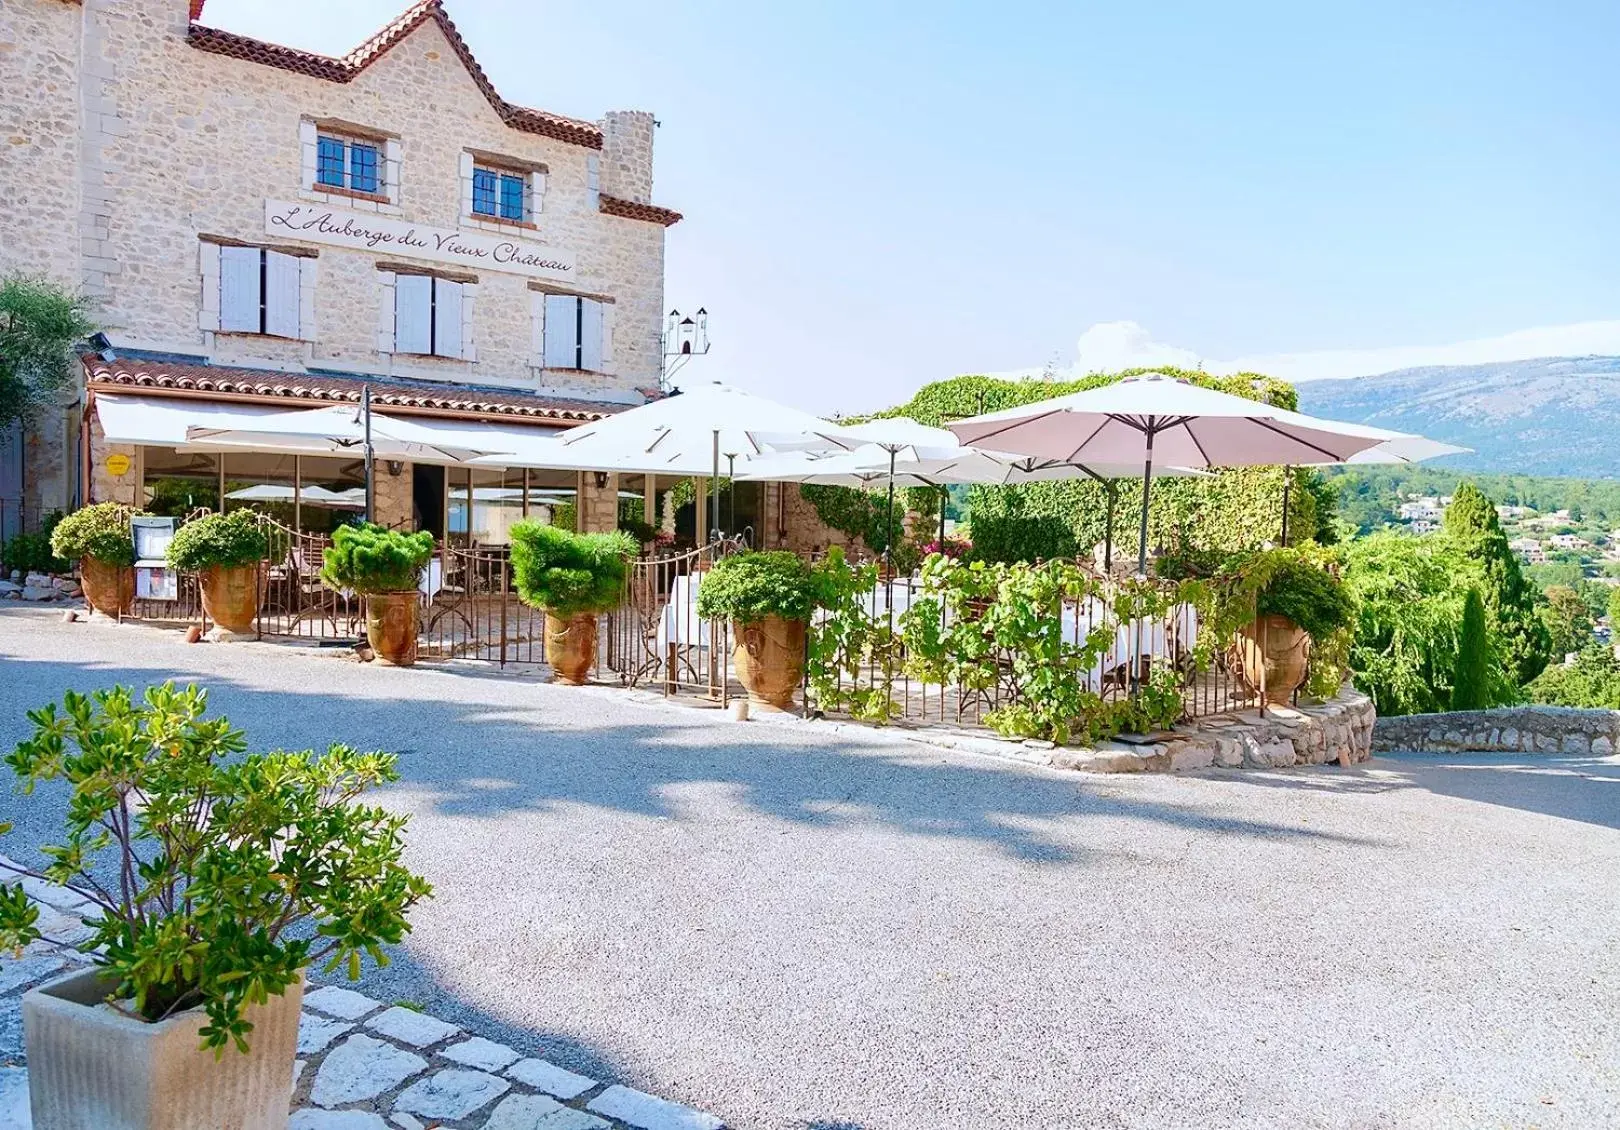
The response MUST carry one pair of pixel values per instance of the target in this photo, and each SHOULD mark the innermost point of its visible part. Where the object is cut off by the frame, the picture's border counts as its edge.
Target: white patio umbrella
(1403, 448)
(681, 435)
(339, 428)
(1156, 415)
(872, 465)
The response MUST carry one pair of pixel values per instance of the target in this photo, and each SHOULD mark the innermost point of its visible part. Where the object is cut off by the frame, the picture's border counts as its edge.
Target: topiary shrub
(567, 573)
(100, 531)
(237, 872)
(219, 539)
(746, 587)
(1470, 681)
(370, 559)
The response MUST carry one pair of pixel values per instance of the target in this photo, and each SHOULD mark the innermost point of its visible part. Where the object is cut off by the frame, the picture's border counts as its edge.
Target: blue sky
(878, 195)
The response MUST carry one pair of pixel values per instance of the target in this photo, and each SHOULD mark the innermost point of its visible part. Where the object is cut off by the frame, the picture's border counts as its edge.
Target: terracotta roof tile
(614, 206)
(221, 42)
(259, 385)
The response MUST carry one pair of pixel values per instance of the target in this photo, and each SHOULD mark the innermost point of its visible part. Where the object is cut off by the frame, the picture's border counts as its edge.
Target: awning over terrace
(168, 422)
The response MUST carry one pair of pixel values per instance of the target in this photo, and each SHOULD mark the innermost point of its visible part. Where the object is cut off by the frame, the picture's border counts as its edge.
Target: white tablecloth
(680, 622)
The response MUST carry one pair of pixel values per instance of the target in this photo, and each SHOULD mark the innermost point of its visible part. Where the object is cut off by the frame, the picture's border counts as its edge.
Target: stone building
(264, 229)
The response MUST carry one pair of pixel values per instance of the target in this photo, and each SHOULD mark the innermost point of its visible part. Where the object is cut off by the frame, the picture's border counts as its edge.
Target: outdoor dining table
(680, 623)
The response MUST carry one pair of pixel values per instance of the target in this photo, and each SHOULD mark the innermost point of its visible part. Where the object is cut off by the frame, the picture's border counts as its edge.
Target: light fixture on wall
(102, 344)
(685, 337)
(601, 480)
(396, 468)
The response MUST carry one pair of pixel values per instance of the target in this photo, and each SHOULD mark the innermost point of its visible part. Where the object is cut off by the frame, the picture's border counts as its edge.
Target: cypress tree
(1470, 680)
(1510, 600)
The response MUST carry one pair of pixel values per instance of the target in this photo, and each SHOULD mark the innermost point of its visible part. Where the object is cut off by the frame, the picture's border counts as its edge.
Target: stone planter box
(91, 1068)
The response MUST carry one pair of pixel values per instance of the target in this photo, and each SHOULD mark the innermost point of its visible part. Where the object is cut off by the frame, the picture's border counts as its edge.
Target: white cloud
(1111, 346)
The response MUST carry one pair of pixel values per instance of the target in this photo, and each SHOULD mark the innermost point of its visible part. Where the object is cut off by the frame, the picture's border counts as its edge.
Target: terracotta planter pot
(571, 647)
(769, 656)
(230, 597)
(391, 626)
(1280, 647)
(109, 589)
(91, 1067)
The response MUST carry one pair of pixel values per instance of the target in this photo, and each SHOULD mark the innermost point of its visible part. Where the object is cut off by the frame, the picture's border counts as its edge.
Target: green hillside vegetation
(1369, 497)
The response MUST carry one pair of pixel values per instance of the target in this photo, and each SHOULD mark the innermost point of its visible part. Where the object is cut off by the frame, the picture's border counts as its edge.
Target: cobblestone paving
(363, 1064)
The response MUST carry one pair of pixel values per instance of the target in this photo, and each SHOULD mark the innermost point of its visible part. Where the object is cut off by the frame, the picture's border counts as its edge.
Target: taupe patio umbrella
(1158, 416)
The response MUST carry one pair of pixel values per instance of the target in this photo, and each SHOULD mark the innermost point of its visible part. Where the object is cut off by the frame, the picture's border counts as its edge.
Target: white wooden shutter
(239, 290)
(562, 334)
(281, 293)
(590, 335)
(446, 318)
(607, 337)
(413, 314)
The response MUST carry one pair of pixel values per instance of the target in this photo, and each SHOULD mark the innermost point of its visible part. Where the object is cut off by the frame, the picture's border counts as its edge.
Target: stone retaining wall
(1339, 730)
(1507, 729)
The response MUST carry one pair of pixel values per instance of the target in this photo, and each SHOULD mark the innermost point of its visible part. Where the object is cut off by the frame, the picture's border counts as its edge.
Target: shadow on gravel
(481, 758)
(1568, 787)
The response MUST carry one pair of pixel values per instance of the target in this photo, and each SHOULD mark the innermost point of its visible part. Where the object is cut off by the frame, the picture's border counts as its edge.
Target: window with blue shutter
(259, 291)
(329, 162)
(427, 316)
(484, 188)
(512, 197)
(499, 194)
(362, 167)
(345, 163)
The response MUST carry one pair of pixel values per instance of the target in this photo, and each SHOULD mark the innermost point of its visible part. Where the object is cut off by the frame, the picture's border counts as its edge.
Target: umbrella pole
(714, 489)
(1147, 488)
(1108, 531)
(888, 551)
(944, 505)
(371, 482)
(731, 473)
(1288, 481)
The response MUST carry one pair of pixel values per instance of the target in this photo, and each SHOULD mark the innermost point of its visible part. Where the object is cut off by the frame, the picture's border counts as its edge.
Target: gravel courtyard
(794, 927)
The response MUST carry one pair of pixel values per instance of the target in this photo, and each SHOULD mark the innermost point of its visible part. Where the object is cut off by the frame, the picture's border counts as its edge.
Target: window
(259, 291)
(577, 333)
(347, 163)
(427, 316)
(499, 193)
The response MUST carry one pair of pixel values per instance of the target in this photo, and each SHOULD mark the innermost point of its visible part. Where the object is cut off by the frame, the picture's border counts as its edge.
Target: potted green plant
(573, 577)
(384, 566)
(228, 876)
(768, 598)
(225, 551)
(98, 538)
(1298, 600)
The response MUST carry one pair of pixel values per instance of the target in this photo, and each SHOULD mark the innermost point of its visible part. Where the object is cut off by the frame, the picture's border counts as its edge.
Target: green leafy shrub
(1592, 681)
(567, 573)
(643, 533)
(229, 874)
(31, 553)
(100, 531)
(750, 586)
(369, 558)
(1307, 593)
(1021, 537)
(219, 539)
(853, 652)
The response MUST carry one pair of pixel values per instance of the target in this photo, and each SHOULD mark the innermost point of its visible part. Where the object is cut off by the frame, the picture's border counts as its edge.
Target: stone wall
(789, 521)
(1338, 731)
(1508, 729)
(178, 142)
(598, 508)
(393, 496)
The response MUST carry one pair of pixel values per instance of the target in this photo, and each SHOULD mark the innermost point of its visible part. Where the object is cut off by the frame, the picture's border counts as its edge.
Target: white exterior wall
(180, 142)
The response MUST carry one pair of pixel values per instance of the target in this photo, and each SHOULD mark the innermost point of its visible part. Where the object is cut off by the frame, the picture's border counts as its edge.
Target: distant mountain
(1551, 416)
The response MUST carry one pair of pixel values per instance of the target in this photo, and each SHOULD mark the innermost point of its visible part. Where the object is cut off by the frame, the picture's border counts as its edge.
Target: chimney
(627, 144)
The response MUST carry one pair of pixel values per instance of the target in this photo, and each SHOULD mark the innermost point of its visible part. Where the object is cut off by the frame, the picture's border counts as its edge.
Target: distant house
(1568, 541)
(1422, 510)
(1514, 512)
(1424, 526)
(1530, 550)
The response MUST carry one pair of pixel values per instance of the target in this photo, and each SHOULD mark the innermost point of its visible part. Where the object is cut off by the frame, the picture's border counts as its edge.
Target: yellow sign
(117, 464)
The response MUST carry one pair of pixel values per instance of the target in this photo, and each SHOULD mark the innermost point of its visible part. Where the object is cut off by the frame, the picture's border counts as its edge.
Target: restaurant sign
(361, 231)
